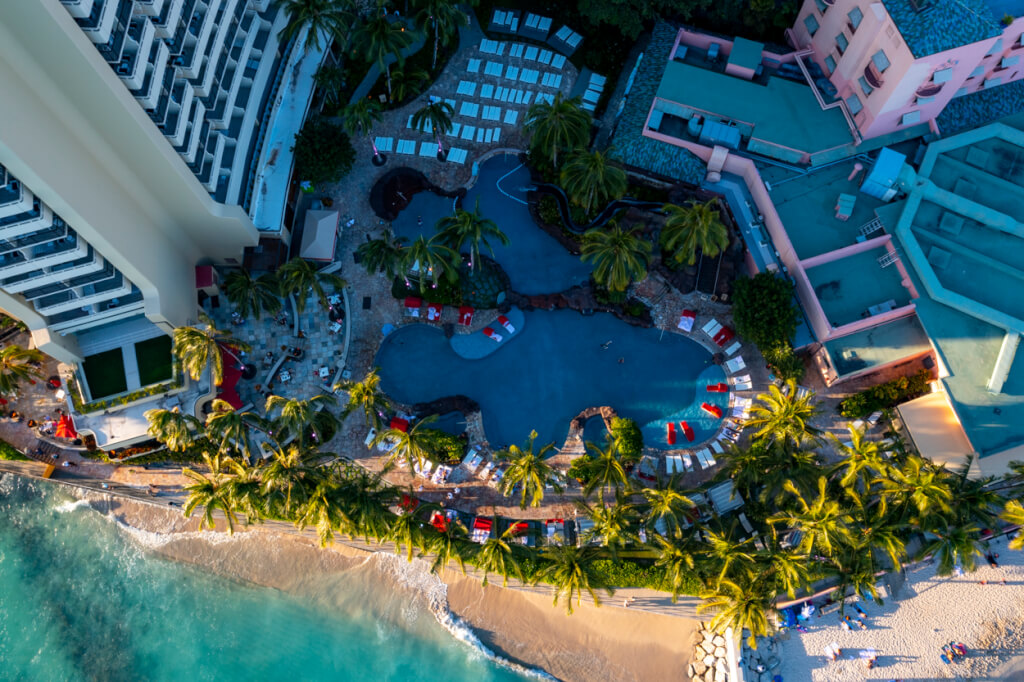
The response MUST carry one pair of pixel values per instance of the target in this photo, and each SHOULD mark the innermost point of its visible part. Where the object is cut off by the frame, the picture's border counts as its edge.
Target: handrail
(798, 57)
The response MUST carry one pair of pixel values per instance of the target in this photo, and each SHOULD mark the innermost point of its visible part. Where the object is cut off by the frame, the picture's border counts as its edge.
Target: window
(821, 5)
(942, 75)
(998, 47)
(830, 64)
(921, 101)
(842, 43)
(1009, 61)
(961, 92)
(977, 72)
(990, 82)
(854, 104)
(910, 117)
(856, 16)
(880, 61)
(865, 86)
(811, 23)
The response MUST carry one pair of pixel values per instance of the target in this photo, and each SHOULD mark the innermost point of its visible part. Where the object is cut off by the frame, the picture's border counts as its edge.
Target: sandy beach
(909, 630)
(606, 643)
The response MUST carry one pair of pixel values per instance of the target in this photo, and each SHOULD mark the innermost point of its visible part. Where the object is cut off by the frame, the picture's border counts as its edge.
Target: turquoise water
(535, 263)
(82, 599)
(554, 368)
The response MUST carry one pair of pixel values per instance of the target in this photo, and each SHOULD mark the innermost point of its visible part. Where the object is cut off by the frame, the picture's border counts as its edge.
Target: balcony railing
(929, 89)
(872, 76)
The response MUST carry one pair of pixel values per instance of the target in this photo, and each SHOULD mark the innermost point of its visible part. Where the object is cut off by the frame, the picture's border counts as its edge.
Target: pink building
(898, 63)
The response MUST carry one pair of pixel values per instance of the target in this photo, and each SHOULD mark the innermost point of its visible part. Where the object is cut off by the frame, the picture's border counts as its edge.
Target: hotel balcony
(112, 48)
(94, 315)
(88, 295)
(167, 21)
(80, 9)
(14, 198)
(91, 263)
(149, 92)
(150, 8)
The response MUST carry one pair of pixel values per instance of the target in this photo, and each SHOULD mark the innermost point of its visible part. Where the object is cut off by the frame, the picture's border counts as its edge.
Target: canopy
(400, 424)
(227, 390)
(66, 428)
(319, 235)
(413, 302)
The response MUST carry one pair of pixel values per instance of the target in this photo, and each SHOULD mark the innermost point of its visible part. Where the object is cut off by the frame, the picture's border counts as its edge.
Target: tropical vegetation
(326, 20)
(18, 365)
(695, 227)
(301, 278)
(323, 151)
(469, 229)
(591, 180)
(557, 127)
(199, 347)
(253, 295)
(620, 256)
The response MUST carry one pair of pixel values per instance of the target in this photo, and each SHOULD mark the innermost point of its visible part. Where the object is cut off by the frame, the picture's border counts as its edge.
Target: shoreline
(518, 628)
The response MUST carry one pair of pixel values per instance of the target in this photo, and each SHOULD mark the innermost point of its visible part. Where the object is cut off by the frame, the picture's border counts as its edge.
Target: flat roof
(941, 25)
(783, 112)
(849, 288)
(746, 53)
(877, 346)
(935, 429)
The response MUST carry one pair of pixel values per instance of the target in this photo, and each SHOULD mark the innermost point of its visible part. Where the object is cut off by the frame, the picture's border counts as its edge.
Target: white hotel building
(132, 135)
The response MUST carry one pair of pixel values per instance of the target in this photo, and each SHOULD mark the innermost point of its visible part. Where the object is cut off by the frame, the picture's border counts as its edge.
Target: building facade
(898, 63)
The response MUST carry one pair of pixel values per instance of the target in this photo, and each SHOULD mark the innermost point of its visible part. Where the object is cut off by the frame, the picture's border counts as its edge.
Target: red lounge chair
(671, 433)
(434, 311)
(491, 334)
(714, 410)
(718, 388)
(686, 320)
(408, 503)
(438, 521)
(687, 430)
(506, 324)
(400, 424)
(724, 336)
(465, 316)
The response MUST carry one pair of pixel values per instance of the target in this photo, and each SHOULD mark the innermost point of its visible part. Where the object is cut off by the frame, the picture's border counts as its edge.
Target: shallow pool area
(560, 364)
(533, 260)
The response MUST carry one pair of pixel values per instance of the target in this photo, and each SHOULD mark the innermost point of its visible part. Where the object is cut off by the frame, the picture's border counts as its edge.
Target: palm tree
(199, 347)
(413, 446)
(823, 523)
(437, 116)
(952, 545)
(726, 556)
(619, 256)
(557, 127)
(784, 417)
(743, 604)
(382, 255)
(358, 119)
(499, 555)
(173, 428)
(863, 461)
(406, 530)
(590, 180)
(408, 81)
(697, 226)
(571, 571)
(1013, 514)
(231, 429)
(296, 416)
(605, 468)
(444, 17)
(210, 493)
(613, 525)
(321, 510)
(366, 503)
(464, 228)
(917, 485)
(246, 491)
(289, 477)
(785, 570)
(330, 83)
(676, 559)
(300, 277)
(366, 395)
(17, 365)
(431, 261)
(251, 295)
(527, 470)
(448, 545)
(330, 19)
(379, 39)
(667, 505)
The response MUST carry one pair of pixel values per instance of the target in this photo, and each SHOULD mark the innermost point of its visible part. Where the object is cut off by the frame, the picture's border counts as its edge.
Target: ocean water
(84, 597)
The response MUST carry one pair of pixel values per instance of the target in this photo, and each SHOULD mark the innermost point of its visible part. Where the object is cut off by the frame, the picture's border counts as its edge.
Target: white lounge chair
(687, 461)
(733, 349)
(735, 365)
(709, 458)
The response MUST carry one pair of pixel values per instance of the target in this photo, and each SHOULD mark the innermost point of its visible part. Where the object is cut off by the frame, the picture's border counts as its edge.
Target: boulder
(718, 640)
(709, 676)
(698, 669)
(719, 652)
(690, 670)
(706, 648)
(721, 675)
(709, 636)
(709, 660)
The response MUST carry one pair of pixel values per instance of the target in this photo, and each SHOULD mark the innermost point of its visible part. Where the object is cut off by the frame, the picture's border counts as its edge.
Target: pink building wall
(884, 108)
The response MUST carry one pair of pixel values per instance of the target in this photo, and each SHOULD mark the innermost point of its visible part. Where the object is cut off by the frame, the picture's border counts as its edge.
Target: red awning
(413, 302)
(66, 428)
(400, 424)
(520, 527)
(483, 523)
(227, 390)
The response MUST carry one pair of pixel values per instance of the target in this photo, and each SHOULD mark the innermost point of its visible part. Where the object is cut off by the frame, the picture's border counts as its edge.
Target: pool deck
(478, 345)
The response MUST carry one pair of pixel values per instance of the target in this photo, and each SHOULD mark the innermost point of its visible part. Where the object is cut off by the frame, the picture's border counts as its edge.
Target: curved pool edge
(476, 345)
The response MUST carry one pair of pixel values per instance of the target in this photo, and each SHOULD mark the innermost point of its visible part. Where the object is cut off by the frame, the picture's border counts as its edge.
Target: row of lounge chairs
(488, 471)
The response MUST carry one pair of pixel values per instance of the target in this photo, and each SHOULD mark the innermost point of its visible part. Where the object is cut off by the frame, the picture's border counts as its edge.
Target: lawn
(104, 373)
(154, 359)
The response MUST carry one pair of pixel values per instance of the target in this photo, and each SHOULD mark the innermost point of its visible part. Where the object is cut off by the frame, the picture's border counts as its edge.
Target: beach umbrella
(66, 428)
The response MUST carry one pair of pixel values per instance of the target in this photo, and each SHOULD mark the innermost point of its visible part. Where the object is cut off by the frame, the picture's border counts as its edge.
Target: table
(285, 376)
(335, 327)
(324, 372)
(334, 299)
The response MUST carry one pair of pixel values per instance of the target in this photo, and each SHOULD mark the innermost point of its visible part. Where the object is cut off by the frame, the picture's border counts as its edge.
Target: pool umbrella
(66, 428)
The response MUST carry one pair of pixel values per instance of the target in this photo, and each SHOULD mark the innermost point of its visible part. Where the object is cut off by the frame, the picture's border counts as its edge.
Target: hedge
(885, 396)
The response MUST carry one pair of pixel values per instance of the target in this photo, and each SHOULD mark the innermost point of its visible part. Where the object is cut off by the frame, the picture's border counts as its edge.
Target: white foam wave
(72, 505)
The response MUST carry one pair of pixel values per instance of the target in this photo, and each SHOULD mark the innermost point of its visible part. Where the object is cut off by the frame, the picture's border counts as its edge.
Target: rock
(720, 664)
(709, 676)
(690, 670)
(719, 652)
(709, 660)
(709, 636)
(707, 647)
(721, 675)
(718, 640)
(698, 669)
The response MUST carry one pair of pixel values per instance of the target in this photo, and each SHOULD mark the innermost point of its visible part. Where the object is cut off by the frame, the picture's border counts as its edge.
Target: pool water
(533, 260)
(554, 368)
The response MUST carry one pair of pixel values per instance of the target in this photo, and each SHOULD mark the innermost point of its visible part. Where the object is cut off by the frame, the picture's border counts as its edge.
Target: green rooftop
(941, 25)
(783, 112)
(959, 229)
(746, 53)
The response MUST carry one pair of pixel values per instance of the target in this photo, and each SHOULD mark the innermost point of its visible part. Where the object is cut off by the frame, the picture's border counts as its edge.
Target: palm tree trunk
(387, 71)
(433, 64)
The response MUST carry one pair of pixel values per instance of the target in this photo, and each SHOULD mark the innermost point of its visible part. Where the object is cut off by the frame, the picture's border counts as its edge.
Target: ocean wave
(72, 505)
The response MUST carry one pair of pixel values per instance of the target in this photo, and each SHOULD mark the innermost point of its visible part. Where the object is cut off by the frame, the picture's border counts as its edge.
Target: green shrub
(445, 448)
(578, 469)
(626, 433)
(885, 396)
(9, 453)
(786, 363)
(548, 211)
(634, 308)
(446, 293)
(763, 310)
(323, 152)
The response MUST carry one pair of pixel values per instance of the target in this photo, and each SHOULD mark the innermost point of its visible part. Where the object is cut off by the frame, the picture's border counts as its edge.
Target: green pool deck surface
(877, 346)
(847, 287)
(806, 205)
(105, 373)
(783, 112)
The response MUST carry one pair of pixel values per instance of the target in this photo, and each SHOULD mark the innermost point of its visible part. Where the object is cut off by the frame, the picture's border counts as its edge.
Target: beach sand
(606, 643)
(909, 631)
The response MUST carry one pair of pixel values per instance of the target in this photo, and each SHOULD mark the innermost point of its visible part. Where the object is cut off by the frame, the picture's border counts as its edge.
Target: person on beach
(860, 611)
(991, 559)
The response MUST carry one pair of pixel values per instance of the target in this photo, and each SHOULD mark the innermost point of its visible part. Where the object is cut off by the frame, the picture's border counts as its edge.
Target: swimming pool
(555, 368)
(535, 263)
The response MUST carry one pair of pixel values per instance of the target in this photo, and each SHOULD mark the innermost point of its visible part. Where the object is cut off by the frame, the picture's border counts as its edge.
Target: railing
(821, 100)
